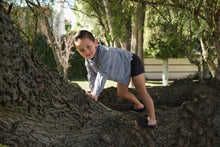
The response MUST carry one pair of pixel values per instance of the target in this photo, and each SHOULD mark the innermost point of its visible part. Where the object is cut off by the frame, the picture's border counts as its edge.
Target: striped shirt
(108, 63)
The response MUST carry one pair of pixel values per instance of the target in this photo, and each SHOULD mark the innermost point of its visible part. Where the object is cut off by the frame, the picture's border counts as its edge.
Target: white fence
(178, 68)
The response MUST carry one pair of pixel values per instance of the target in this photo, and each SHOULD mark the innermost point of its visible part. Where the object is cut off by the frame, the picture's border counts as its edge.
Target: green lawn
(84, 83)
(3, 145)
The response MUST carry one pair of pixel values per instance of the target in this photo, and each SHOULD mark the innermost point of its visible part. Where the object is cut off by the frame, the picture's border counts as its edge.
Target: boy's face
(86, 47)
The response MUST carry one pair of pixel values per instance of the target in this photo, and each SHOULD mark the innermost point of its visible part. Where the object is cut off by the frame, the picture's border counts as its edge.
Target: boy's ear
(96, 42)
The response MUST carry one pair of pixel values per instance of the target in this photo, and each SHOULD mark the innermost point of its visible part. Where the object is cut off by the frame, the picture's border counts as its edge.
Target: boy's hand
(88, 93)
(95, 97)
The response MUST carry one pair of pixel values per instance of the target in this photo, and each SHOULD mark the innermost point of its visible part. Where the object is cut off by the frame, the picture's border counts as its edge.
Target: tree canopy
(173, 28)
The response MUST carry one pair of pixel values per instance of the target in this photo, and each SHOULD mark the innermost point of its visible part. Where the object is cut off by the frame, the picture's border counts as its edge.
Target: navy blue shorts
(137, 66)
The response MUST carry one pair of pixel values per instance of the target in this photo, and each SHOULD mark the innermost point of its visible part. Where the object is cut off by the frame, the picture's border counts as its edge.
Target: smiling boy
(115, 64)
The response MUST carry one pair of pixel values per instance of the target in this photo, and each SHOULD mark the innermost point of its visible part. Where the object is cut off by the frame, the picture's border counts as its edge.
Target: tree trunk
(217, 76)
(138, 29)
(193, 59)
(205, 55)
(126, 44)
(38, 107)
(212, 20)
(216, 33)
(110, 22)
(205, 68)
(216, 39)
(51, 39)
(61, 54)
(165, 73)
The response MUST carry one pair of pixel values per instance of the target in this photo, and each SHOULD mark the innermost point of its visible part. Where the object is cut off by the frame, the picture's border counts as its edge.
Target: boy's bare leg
(139, 83)
(122, 91)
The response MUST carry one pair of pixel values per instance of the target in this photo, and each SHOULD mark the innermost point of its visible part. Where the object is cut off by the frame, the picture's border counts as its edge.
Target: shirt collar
(96, 53)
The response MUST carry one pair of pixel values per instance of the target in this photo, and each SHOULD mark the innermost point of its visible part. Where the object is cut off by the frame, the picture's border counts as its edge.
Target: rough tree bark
(40, 108)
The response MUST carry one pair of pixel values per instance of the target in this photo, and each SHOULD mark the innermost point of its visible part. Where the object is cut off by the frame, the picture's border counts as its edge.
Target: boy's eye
(82, 50)
(88, 47)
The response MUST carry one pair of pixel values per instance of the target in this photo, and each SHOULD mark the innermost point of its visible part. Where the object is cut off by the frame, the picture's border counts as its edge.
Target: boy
(115, 64)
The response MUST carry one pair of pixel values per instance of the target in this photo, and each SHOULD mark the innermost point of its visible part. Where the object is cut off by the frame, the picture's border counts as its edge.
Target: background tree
(190, 21)
(61, 47)
(138, 21)
(90, 15)
(27, 21)
(112, 17)
(164, 40)
(189, 31)
(206, 15)
(118, 16)
(119, 19)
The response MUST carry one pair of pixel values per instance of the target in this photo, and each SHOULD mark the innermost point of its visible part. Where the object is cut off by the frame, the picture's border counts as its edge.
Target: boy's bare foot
(138, 106)
(151, 121)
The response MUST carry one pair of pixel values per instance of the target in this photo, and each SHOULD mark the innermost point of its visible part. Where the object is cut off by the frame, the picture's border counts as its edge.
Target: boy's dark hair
(82, 34)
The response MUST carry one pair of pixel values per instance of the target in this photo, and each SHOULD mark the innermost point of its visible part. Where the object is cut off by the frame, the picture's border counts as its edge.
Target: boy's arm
(99, 83)
(91, 76)
(92, 79)
(102, 74)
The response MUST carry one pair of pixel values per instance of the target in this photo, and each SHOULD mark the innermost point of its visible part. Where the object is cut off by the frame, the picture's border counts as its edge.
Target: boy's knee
(119, 94)
(141, 91)
(122, 95)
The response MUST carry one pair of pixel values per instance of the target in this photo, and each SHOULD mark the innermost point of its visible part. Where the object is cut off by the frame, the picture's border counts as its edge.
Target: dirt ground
(188, 113)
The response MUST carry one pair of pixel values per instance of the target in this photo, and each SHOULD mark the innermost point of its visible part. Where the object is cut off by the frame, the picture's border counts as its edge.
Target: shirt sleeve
(102, 74)
(91, 76)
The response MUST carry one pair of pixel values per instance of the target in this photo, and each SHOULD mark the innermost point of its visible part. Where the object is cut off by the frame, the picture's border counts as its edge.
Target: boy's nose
(86, 51)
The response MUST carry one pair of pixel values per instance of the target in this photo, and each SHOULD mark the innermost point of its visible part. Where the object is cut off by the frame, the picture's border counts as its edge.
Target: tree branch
(35, 32)
(84, 13)
(33, 4)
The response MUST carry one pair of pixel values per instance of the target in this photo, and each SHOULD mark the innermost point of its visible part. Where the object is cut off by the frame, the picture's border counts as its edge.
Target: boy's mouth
(89, 55)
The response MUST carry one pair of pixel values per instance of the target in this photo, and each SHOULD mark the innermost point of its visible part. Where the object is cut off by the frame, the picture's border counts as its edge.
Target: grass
(3, 145)
(83, 83)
